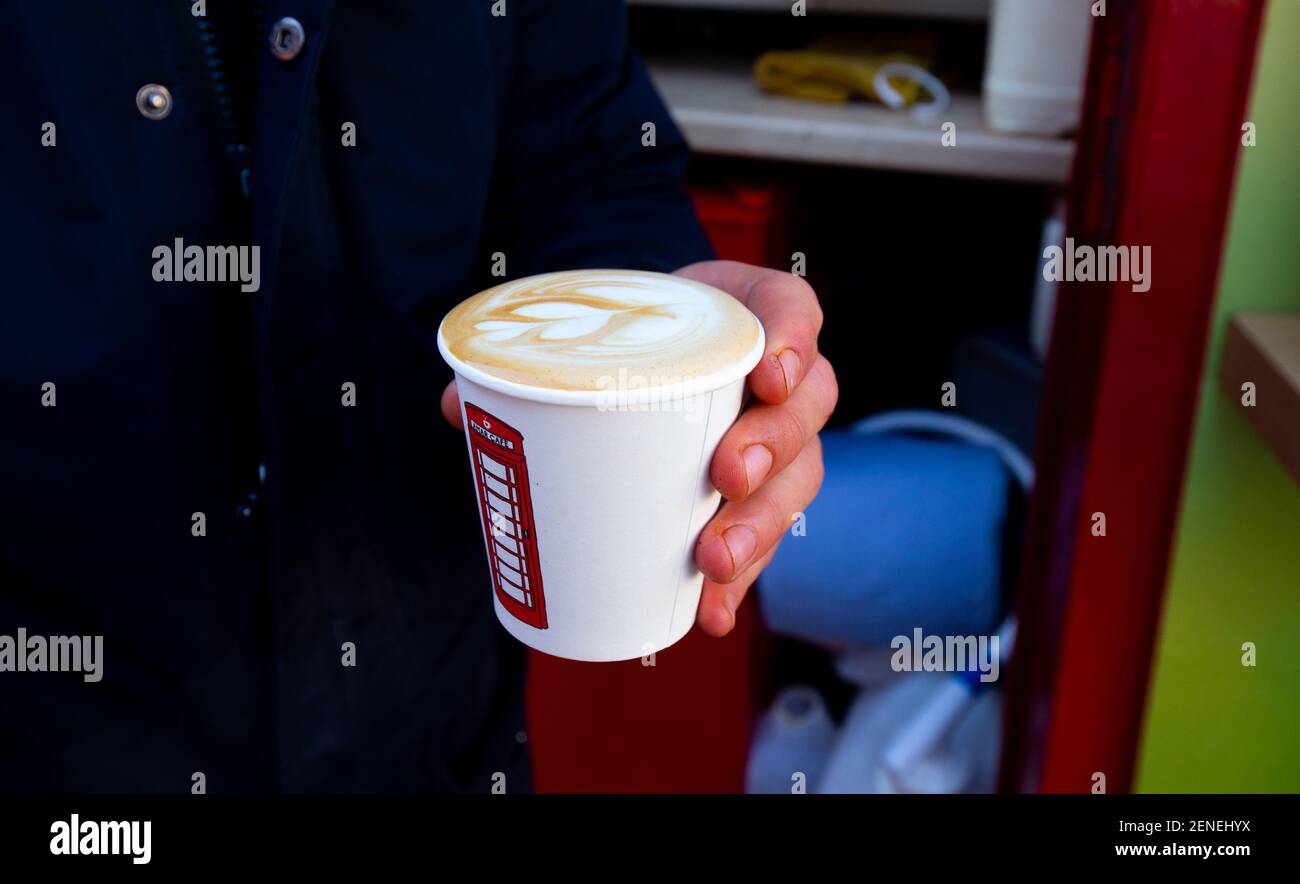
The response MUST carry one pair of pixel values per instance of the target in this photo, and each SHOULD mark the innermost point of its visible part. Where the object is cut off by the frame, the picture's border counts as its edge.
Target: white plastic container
(1036, 65)
(793, 738)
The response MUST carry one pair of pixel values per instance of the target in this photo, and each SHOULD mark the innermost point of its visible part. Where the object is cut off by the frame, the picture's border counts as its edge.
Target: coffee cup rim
(707, 383)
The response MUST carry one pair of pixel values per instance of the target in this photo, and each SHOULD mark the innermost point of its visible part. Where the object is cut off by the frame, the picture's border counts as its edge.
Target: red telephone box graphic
(501, 476)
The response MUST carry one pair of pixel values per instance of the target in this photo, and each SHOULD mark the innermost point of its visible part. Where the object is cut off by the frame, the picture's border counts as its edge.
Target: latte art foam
(577, 329)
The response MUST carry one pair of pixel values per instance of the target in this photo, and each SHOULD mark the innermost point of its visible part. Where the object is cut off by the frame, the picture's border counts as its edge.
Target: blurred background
(914, 159)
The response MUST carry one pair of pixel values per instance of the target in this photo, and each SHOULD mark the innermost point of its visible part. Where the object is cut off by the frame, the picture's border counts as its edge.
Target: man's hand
(769, 464)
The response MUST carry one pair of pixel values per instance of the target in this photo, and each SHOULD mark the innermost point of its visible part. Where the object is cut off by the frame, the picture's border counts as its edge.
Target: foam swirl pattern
(576, 330)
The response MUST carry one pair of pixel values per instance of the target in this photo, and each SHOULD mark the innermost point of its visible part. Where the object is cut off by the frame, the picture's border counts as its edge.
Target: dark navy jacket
(475, 134)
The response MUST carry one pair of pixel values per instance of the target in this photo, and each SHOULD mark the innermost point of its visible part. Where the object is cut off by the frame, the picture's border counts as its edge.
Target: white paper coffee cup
(591, 503)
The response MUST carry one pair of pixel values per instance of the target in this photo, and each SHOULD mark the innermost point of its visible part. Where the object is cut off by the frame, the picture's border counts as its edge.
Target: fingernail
(758, 461)
(789, 360)
(741, 542)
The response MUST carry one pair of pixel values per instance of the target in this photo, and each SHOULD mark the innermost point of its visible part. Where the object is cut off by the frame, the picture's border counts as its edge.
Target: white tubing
(890, 97)
(923, 734)
(928, 728)
(918, 420)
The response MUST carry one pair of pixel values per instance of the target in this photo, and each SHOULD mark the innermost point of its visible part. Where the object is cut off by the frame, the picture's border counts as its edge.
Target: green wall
(1212, 724)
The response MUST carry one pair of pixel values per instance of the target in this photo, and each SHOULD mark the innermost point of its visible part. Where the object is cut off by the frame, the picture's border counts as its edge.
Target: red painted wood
(744, 221)
(682, 725)
(1166, 98)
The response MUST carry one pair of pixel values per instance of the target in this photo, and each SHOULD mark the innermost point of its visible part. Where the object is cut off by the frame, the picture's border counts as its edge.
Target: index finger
(450, 404)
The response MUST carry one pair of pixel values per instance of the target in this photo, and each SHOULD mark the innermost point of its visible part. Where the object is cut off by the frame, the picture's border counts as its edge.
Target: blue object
(906, 532)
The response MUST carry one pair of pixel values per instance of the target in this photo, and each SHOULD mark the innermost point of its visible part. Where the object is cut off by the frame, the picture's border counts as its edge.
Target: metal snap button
(154, 101)
(287, 37)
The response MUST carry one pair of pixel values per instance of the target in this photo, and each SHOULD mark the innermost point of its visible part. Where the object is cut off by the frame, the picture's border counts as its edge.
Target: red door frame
(1166, 96)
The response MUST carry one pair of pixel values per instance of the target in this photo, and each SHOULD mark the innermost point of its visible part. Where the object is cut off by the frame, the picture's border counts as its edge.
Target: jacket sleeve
(574, 183)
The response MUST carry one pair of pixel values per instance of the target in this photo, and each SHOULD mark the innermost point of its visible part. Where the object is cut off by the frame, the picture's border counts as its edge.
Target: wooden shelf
(967, 10)
(1264, 349)
(722, 111)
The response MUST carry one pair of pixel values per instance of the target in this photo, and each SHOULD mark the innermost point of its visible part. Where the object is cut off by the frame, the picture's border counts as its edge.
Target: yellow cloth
(832, 71)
